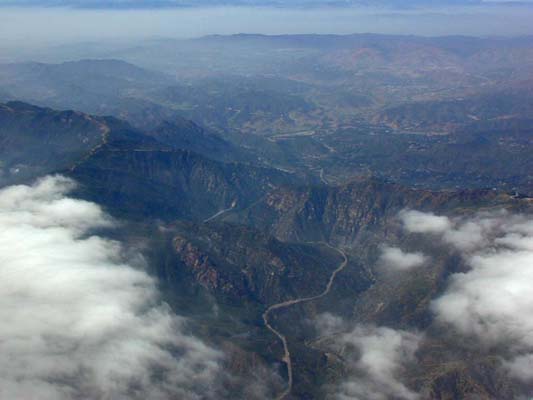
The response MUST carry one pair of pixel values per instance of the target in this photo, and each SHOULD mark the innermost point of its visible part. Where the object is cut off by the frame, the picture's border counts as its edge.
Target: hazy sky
(128, 4)
(27, 26)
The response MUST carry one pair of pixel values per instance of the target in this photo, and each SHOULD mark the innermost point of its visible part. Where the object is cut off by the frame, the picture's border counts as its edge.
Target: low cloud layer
(78, 320)
(494, 299)
(375, 355)
(396, 259)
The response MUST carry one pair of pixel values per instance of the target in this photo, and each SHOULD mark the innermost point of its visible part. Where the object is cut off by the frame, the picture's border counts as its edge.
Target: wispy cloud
(376, 357)
(420, 222)
(79, 319)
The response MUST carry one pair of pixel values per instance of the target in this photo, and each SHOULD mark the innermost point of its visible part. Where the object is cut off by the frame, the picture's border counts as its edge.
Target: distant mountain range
(439, 113)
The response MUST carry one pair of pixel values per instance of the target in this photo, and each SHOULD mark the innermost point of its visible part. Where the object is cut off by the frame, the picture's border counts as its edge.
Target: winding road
(287, 354)
(322, 178)
(218, 214)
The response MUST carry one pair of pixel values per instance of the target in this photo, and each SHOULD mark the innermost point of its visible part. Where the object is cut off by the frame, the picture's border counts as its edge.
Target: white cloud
(78, 320)
(382, 354)
(419, 222)
(521, 367)
(493, 300)
(328, 324)
(375, 356)
(464, 235)
(396, 259)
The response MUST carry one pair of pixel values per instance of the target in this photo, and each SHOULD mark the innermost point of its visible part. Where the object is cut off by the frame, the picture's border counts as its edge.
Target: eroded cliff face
(242, 263)
(343, 214)
(206, 273)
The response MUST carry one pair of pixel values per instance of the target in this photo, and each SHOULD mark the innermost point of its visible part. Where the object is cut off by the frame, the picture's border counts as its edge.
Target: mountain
(441, 113)
(36, 141)
(116, 164)
(185, 134)
(446, 116)
(181, 184)
(321, 252)
(103, 75)
(345, 214)
(103, 87)
(237, 103)
(245, 265)
(481, 154)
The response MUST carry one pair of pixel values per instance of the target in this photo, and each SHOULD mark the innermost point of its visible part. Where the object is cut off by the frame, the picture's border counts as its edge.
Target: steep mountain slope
(342, 214)
(36, 141)
(185, 134)
(171, 184)
(245, 265)
(127, 170)
(362, 217)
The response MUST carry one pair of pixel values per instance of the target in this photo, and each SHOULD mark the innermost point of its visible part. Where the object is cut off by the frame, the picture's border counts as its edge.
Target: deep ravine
(287, 355)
